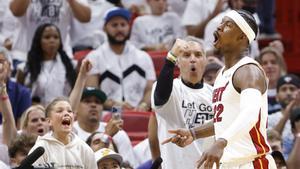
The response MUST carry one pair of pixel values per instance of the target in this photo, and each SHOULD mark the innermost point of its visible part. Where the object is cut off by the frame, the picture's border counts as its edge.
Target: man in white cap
(239, 101)
(107, 158)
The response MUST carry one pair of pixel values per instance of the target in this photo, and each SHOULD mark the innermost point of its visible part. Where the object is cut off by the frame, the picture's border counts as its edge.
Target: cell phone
(116, 112)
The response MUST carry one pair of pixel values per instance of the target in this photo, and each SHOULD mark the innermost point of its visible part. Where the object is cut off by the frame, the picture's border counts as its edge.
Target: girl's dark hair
(250, 20)
(35, 56)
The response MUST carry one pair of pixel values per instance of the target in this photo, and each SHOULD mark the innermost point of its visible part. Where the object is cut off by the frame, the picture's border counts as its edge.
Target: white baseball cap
(106, 153)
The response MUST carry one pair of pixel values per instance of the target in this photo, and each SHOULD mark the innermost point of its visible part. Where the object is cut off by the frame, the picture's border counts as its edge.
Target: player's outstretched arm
(184, 137)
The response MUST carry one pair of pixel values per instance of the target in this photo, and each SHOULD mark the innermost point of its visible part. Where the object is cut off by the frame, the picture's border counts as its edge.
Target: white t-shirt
(151, 30)
(57, 12)
(90, 34)
(186, 108)
(76, 154)
(51, 82)
(121, 140)
(197, 11)
(122, 76)
(246, 144)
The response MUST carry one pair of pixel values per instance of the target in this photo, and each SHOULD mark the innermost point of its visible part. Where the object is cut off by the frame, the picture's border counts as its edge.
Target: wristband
(192, 131)
(171, 57)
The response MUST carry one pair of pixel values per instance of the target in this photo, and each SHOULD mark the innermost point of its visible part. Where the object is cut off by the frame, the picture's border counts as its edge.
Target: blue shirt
(20, 98)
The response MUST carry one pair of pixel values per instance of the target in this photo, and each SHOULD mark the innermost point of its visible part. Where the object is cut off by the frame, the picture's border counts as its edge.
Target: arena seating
(135, 124)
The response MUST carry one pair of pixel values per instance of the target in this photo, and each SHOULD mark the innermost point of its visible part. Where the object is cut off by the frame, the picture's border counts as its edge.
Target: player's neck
(230, 59)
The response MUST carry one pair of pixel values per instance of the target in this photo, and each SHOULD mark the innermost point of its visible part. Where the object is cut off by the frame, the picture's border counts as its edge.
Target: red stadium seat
(135, 124)
(158, 58)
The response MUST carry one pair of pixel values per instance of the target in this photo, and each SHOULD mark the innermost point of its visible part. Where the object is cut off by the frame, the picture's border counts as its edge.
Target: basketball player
(239, 103)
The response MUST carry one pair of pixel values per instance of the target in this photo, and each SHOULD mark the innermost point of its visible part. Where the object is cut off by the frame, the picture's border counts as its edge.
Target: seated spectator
(89, 114)
(62, 141)
(157, 31)
(49, 71)
(18, 94)
(107, 158)
(19, 148)
(125, 73)
(274, 65)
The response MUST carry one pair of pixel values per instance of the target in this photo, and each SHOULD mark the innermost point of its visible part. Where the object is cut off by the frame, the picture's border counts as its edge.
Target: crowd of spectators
(50, 98)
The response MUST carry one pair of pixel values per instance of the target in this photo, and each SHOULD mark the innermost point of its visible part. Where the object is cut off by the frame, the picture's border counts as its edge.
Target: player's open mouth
(216, 36)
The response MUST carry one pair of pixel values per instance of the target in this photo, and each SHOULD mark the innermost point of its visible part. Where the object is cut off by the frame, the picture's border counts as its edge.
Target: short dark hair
(89, 139)
(250, 20)
(22, 143)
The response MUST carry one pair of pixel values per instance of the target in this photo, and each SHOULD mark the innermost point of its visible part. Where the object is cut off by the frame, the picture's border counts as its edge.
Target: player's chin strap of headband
(242, 24)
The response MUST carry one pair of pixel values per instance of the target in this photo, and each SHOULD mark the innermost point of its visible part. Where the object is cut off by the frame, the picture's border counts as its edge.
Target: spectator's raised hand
(182, 137)
(85, 67)
(113, 126)
(3, 71)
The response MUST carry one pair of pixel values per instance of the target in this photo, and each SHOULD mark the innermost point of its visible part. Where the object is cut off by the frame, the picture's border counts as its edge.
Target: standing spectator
(18, 94)
(33, 13)
(49, 71)
(182, 103)
(62, 147)
(198, 13)
(274, 65)
(158, 30)
(89, 121)
(125, 73)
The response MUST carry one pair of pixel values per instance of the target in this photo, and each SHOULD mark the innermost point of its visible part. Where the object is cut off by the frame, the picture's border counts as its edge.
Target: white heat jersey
(226, 105)
(186, 108)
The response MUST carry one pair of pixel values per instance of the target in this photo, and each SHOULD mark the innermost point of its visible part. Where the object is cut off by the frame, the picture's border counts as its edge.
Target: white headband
(242, 24)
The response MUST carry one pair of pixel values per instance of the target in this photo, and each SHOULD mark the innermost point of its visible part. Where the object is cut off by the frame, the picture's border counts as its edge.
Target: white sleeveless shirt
(226, 105)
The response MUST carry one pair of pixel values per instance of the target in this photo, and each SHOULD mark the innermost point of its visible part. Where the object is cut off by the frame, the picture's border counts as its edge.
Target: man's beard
(112, 40)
